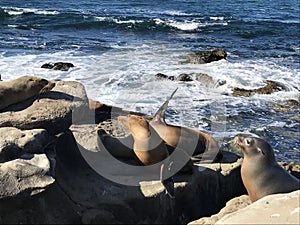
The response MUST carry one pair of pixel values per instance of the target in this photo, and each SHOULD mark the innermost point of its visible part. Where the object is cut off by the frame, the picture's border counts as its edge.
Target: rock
(185, 77)
(281, 108)
(292, 167)
(83, 166)
(231, 206)
(26, 176)
(208, 81)
(96, 216)
(201, 57)
(204, 79)
(272, 209)
(63, 66)
(54, 111)
(162, 76)
(269, 88)
(15, 142)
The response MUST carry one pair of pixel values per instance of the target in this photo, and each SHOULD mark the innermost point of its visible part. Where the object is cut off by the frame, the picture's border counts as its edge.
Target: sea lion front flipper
(160, 114)
(168, 183)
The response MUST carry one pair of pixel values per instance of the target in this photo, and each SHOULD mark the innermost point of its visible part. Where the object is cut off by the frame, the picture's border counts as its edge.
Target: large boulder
(53, 111)
(15, 142)
(26, 176)
(272, 209)
(83, 166)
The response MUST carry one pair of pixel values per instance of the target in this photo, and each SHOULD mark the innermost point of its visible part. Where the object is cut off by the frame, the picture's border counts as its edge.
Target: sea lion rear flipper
(160, 114)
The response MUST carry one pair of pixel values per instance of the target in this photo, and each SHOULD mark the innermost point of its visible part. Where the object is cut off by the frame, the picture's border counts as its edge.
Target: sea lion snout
(48, 86)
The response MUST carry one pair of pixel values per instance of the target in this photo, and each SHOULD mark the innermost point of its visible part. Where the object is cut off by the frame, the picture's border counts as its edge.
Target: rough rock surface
(201, 57)
(269, 88)
(53, 111)
(272, 209)
(15, 142)
(231, 206)
(26, 176)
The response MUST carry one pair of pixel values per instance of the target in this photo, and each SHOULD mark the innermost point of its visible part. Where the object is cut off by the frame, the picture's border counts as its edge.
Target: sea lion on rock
(22, 88)
(260, 172)
(200, 145)
(148, 146)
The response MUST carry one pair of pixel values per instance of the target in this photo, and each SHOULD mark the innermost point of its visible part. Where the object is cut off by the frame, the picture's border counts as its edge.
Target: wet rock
(63, 66)
(26, 176)
(54, 111)
(162, 76)
(208, 81)
(269, 88)
(272, 209)
(185, 77)
(15, 142)
(281, 108)
(292, 167)
(201, 57)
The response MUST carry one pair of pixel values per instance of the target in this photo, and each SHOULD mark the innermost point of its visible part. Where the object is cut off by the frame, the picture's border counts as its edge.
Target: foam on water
(15, 11)
(126, 75)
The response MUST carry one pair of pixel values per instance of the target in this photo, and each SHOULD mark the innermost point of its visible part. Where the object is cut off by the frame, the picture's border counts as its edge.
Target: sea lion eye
(248, 141)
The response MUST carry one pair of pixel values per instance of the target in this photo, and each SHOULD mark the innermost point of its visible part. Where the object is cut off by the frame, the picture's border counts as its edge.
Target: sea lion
(148, 147)
(202, 146)
(22, 88)
(260, 172)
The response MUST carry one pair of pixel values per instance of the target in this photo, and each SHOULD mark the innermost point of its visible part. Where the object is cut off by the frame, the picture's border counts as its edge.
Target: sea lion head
(36, 84)
(254, 147)
(137, 125)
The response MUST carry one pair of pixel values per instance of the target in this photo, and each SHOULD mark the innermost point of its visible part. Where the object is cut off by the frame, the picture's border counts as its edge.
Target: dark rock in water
(269, 88)
(164, 77)
(201, 57)
(47, 66)
(293, 102)
(63, 66)
(185, 77)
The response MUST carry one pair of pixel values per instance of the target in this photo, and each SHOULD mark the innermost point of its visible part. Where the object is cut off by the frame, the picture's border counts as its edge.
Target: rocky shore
(47, 144)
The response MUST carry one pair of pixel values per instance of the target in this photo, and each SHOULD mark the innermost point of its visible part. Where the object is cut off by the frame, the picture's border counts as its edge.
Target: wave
(15, 11)
(141, 24)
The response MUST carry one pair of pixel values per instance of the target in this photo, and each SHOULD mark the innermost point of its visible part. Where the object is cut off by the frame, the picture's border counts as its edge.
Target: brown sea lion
(22, 88)
(148, 146)
(202, 146)
(260, 172)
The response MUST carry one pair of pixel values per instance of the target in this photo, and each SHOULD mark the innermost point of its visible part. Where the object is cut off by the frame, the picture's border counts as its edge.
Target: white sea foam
(14, 11)
(124, 76)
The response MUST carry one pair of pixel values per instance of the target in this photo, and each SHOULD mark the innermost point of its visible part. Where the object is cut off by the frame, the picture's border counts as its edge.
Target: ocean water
(118, 46)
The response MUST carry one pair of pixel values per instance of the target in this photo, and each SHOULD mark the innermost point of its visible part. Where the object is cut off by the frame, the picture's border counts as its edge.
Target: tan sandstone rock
(272, 209)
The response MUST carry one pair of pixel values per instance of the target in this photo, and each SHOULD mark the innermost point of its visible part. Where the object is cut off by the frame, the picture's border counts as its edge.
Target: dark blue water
(117, 47)
(258, 28)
